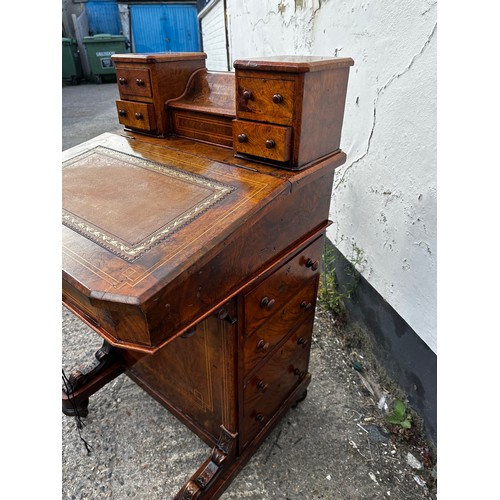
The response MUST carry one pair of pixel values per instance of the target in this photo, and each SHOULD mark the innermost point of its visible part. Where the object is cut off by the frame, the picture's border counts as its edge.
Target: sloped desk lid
(136, 214)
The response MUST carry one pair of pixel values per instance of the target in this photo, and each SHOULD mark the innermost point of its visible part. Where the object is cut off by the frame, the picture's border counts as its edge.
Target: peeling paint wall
(384, 201)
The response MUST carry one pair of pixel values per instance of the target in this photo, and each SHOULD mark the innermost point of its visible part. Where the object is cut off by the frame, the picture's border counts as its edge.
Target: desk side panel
(287, 219)
(194, 377)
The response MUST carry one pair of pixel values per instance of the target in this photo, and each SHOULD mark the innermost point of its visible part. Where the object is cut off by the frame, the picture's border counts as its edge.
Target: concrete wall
(384, 201)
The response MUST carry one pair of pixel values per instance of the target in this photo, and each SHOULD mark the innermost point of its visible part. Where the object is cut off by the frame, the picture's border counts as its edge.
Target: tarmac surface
(335, 445)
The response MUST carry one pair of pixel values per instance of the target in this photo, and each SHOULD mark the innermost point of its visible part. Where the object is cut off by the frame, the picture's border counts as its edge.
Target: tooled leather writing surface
(128, 204)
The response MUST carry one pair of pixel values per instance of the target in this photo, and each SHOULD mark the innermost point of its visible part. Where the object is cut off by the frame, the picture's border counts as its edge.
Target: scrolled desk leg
(203, 483)
(84, 382)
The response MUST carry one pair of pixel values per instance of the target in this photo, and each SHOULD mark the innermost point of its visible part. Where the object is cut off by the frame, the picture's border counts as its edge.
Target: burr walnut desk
(192, 242)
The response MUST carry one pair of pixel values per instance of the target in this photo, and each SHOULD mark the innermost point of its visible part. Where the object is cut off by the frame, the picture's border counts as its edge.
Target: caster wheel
(70, 409)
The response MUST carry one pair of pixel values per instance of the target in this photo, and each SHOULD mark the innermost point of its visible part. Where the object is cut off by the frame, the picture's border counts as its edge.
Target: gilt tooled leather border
(132, 252)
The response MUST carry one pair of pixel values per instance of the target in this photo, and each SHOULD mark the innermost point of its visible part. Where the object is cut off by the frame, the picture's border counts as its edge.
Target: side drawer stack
(264, 109)
(278, 322)
(289, 112)
(146, 81)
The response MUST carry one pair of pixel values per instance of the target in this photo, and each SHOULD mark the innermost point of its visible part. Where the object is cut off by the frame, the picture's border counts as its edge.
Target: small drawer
(270, 334)
(266, 100)
(265, 391)
(209, 128)
(259, 139)
(133, 82)
(272, 295)
(136, 115)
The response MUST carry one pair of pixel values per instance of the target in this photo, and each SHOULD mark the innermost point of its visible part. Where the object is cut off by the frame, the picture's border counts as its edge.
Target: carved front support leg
(84, 382)
(204, 483)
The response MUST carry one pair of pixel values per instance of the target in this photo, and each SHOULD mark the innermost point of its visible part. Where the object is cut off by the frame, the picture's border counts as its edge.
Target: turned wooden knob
(302, 341)
(313, 264)
(299, 373)
(259, 417)
(262, 345)
(139, 82)
(262, 386)
(247, 94)
(277, 98)
(222, 313)
(306, 305)
(270, 144)
(138, 116)
(122, 81)
(189, 333)
(242, 137)
(122, 112)
(267, 303)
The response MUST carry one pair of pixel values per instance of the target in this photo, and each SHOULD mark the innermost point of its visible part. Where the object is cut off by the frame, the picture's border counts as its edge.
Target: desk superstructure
(192, 242)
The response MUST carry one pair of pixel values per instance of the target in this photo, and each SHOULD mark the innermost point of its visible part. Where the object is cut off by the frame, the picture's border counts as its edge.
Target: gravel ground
(334, 445)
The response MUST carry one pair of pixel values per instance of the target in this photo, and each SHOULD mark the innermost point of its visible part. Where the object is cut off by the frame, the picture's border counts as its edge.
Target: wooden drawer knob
(242, 137)
(122, 81)
(247, 94)
(277, 98)
(302, 341)
(262, 386)
(139, 116)
(140, 82)
(313, 264)
(299, 373)
(122, 112)
(270, 144)
(262, 345)
(267, 303)
(259, 417)
(189, 333)
(306, 305)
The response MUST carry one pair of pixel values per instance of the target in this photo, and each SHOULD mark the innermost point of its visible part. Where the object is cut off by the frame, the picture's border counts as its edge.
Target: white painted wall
(384, 200)
(213, 32)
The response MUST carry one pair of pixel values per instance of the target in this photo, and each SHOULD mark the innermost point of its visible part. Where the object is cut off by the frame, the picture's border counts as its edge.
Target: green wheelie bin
(99, 50)
(71, 64)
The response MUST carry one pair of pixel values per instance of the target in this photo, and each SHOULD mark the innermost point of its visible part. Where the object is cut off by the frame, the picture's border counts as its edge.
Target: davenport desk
(192, 242)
